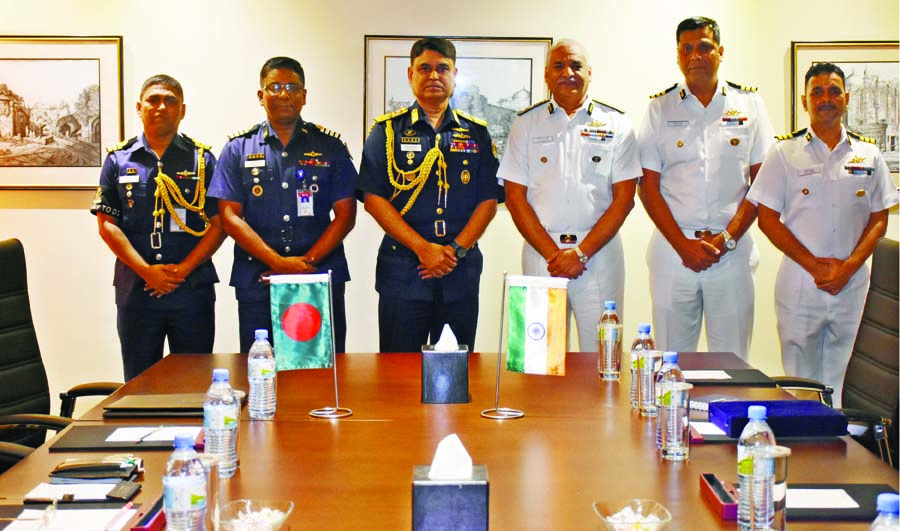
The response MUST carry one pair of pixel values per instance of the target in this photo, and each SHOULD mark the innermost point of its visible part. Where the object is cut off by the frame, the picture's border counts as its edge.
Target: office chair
(870, 388)
(24, 391)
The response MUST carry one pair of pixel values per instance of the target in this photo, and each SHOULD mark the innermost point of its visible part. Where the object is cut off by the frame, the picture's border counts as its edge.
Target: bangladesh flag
(301, 321)
(536, 341)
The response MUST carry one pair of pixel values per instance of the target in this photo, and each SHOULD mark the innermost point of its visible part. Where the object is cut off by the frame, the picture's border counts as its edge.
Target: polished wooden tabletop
(579, 442)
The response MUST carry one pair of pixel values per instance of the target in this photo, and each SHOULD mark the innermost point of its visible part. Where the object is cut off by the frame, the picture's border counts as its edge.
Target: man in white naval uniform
(570, 170)
(702, 142)
(823, 196)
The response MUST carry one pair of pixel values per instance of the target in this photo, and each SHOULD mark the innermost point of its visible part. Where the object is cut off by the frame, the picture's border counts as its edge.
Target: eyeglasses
(275, 89)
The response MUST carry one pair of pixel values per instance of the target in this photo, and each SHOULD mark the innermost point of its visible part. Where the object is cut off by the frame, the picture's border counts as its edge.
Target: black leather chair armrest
(867, 417)
(795, 382)
(12, 453)
(34, 420)
(68, 398)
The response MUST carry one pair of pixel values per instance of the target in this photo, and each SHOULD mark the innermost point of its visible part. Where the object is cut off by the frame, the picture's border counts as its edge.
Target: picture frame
(502, 75)
(872, 69)
(60, 106)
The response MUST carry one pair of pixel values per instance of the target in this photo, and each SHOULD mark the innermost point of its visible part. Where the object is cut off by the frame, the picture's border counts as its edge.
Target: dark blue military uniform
(127, 193)
(256, 171)
(409, 307)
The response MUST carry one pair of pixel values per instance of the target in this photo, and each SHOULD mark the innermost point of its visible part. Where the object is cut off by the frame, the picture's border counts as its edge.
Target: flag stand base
(330, 412)
(502, 413)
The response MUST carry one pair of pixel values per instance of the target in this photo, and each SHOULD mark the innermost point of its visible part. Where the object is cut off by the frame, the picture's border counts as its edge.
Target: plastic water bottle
(887, 519)
(184, 487)
(261, 371)
(609, 316)
(642, 342)
(669, 372)
(221, 412)
(756, 433)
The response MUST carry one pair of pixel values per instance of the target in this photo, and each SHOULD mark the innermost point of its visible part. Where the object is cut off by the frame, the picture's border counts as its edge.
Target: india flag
(301, 321)
(537, 325)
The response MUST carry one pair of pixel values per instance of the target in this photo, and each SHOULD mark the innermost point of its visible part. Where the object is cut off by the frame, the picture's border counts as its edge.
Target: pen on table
(119, 519)
(154, 431)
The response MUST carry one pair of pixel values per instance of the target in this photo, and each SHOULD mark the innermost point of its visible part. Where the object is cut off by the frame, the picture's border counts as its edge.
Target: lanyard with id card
(304, 195)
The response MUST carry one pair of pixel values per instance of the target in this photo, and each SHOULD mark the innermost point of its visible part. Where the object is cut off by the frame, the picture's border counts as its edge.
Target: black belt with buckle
(568, 238)
(704, 234)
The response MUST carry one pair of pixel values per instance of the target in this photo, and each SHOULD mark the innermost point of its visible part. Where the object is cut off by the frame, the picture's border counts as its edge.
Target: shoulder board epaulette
(732, 84)
(608, 106)
(242, 132)
(393, 114)
(668, 90)
(535, 106)
(121, 145)
(473, 119)
(854, 134)
(205, 147)
(795, 134)
(327, 131)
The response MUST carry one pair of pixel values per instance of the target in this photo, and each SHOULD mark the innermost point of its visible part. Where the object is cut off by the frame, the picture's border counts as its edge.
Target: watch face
(730, 245)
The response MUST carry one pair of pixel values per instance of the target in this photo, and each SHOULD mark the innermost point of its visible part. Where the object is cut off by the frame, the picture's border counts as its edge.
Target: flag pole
(337, 411)
(497, 412)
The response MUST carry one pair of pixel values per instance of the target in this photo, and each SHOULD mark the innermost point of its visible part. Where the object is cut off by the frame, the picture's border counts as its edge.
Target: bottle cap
(262, 333)
(670, 357)
(888, 502)
(184, 440)
(610, 305)
(756, 412)
(220, 375)
(644, 328)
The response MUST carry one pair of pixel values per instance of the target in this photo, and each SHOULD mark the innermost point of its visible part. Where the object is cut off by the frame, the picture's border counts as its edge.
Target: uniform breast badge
(465, 177)
(257, 190)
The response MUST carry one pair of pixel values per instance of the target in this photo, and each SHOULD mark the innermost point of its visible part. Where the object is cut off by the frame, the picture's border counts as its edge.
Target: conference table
(579, 442)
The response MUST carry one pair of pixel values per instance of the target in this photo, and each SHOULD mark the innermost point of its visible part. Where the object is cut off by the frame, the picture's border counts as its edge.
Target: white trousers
(603, 280)
(681, 298)
(817, 330)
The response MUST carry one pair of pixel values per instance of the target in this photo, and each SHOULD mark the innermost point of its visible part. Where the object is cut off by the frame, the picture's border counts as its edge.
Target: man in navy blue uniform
(153, 213)
(278, 184)
(429, 178)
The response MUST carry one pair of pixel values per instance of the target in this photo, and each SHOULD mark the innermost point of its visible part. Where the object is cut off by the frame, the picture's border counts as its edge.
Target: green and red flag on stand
(301, 321)
(536, 337)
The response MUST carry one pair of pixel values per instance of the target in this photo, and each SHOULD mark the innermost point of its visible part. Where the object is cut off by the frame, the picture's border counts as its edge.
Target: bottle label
(262, 368)
(220, 416)
(184, 493)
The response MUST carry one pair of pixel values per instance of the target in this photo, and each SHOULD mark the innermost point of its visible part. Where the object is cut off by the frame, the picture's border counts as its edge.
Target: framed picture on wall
(872, 71)
(60, 107)
(498, 76)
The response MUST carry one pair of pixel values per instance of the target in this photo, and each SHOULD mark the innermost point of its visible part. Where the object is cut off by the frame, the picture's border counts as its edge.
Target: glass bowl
(633, 515)
(254, 515)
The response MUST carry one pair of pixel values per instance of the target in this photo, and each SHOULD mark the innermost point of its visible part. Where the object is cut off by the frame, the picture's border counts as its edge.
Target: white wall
(216, 49)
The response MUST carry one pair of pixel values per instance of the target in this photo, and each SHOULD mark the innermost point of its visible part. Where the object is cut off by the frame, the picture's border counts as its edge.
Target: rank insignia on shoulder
(121, 145)
(393, 114)
(738, 86)
(788, 136)
(243, 132)
(535, 106)
(471, 118)
(201, 145)
(327, 131)
(608, 106)
(867, 139)
(312, 154)
(663, 92)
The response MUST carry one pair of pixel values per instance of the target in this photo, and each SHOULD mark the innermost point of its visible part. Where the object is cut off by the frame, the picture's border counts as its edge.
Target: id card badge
(304, 203)
(173, 225)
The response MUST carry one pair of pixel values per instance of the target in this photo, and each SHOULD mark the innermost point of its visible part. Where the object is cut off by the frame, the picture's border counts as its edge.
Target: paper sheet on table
(705, 375)
(706, 428)
(820, 499)
(69, 519)
(152, 433)
(81, 491)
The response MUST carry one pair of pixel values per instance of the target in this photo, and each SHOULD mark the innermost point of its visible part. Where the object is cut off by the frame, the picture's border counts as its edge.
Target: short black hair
(695, 23)
(166, 81)
(824, 68)
(279, 63)
(435, 44)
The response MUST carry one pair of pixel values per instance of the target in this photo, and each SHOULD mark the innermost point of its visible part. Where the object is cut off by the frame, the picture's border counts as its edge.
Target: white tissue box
(445, 376)
(450, 505)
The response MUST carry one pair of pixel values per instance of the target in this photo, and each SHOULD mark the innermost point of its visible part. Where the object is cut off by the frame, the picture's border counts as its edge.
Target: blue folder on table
(787, 418)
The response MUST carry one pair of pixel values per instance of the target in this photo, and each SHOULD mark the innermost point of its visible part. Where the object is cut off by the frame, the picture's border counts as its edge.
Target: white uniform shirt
(570, 164)
(704, 154)
(825, 197)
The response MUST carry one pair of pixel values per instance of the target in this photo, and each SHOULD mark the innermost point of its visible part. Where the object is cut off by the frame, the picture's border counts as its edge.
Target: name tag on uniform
(173, 225)
(410, 147)
(677, 123)
(541, 139)
(259, 163)
(131, 178)
(304, 203)
(815, 170)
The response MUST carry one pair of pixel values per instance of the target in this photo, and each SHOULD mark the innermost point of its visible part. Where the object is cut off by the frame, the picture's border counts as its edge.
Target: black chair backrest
(873, 376)
(23, 379)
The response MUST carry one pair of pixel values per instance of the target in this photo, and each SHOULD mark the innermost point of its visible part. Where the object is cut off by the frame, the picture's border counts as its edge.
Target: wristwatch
(583, 258)
(730, 243)
(458, 249)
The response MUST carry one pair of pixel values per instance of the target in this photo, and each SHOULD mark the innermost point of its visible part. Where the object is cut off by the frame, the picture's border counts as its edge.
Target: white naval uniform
(569, 165)
(825, 198)
(703, 156)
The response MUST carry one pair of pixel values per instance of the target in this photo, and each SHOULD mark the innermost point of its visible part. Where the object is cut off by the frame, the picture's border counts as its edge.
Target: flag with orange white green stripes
(536, 338)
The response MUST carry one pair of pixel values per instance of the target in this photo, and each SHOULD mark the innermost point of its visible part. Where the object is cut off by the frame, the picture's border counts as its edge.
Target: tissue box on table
(458, 504)
(787, 418)
(445, 375)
